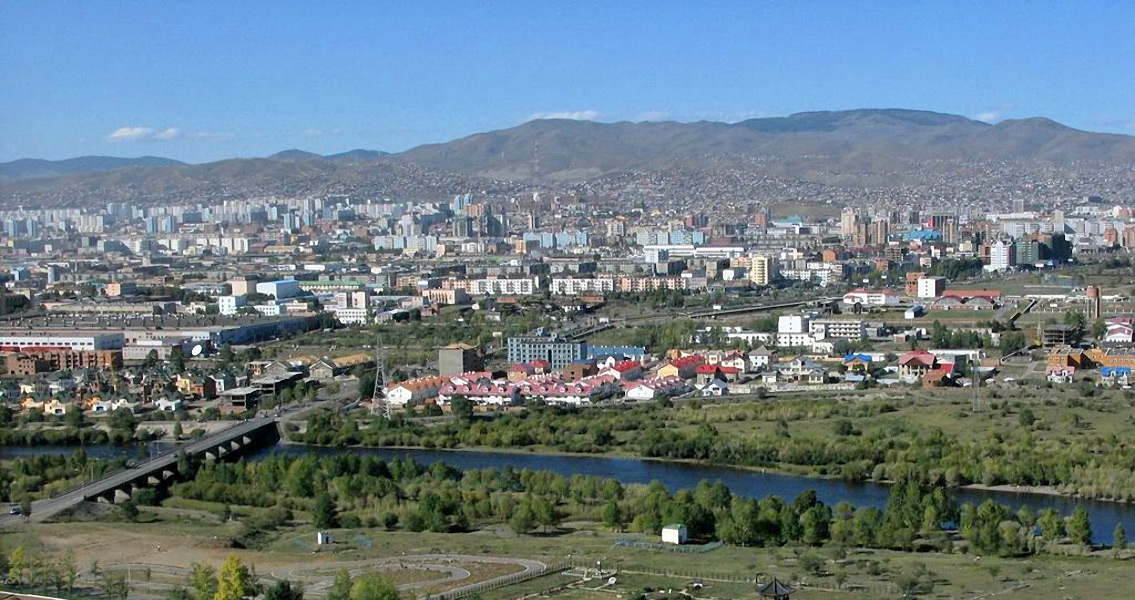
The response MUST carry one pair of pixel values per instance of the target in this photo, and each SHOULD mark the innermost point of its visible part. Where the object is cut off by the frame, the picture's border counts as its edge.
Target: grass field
(726, 572)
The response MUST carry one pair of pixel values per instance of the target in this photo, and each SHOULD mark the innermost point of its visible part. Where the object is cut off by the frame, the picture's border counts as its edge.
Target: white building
(1001, 256)
(502, 287)
(792, 324)
(674, 534)
(105, 341)
(229, 305)
(352, 316)
(574, 286)
(931, 287)
(851, 329)
(281, 289)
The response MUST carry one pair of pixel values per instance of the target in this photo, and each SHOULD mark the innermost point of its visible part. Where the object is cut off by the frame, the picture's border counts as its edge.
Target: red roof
(988, 294)
(709, 369)
(693, 359)
(921, 357)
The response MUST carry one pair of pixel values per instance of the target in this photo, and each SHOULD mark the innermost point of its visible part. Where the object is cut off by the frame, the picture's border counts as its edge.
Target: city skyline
(148, 80)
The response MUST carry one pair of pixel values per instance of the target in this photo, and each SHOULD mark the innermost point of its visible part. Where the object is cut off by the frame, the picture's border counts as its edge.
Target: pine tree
(1119, 538)
(235, 581)
(340, 586)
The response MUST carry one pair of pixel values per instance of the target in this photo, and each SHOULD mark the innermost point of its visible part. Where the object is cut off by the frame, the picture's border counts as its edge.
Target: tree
(203, 580)
(1051, 525)
(462, 408)
(1079, 526)
(17, 563)
(284, 590)
(235, 581)
(227, 354)
(613, 516)
(1099, 329)
(1119, 538)
(114, 585)
(26, 507)
(373, 587)
(523, 520)
(340, 586)
(177, 360)
(323, 514)
(69, 571)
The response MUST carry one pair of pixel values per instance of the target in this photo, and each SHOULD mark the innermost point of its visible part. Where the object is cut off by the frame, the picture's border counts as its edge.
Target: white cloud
(991, 116)
(319, 133)
(149, 134)
(211, 136)
(653, 115)
(574, 115)
(130, 134)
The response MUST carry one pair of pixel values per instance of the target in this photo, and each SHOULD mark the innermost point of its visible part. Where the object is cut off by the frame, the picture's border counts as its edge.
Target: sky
(207, 80)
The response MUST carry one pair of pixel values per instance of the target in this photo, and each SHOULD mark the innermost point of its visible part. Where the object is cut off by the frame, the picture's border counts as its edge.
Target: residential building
(558, 352)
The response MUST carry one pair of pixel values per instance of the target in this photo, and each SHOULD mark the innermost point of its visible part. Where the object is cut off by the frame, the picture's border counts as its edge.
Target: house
(684, 367)
(580, 369)
(708, 373)
(1120, 330)
(415, 391)
(762, 359)
(169, 404)
(714, 388)
(913, 365)
(674, 534)
(1120, 376)
(737, 361)
(627, 370)
(937, 378)
(55, 408)
(857, 363)
(481, 392)
(31, 404)
(645, 390)
(1060, 374)
(801, 365)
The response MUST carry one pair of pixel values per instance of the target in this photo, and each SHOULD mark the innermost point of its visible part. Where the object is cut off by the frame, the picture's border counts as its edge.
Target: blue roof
(1115, 371)
(924, 234)
(862, 357)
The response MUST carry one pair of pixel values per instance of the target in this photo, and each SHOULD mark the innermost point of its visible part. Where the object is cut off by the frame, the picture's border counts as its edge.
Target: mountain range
(813, 145)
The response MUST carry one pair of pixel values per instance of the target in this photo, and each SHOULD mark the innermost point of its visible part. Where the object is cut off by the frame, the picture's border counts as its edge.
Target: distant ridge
(38, 167)
(867, 147)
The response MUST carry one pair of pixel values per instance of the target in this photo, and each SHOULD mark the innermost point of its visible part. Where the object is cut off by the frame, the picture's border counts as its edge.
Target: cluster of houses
(140, 389)
(1114, 364)
(702, 373)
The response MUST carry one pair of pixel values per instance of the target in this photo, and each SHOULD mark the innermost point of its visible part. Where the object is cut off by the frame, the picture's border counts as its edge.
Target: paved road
(43, 509)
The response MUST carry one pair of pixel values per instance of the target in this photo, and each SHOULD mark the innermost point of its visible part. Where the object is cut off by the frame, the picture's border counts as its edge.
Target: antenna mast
(378, 396)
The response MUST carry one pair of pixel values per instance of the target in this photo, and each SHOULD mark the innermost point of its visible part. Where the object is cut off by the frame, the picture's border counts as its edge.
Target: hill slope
(38, 167)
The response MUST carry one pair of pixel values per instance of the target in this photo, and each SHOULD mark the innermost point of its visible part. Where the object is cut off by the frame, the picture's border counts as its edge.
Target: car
(15, 510)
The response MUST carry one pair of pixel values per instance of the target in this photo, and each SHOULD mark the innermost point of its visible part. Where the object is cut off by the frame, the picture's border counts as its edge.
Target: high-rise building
(847, 220)
(1001, 255)
(762, 269)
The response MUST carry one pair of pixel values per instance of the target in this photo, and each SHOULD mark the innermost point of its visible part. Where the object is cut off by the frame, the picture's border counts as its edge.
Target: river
(675, 475)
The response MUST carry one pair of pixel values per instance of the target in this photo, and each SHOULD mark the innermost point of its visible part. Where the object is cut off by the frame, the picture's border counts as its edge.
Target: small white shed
(323, 538)
(674, 534)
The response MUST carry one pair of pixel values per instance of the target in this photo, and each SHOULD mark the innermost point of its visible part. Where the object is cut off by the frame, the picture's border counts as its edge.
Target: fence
(500, 582)
(683, 549)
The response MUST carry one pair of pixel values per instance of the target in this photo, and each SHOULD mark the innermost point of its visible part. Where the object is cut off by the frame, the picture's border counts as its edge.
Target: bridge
(116, 487)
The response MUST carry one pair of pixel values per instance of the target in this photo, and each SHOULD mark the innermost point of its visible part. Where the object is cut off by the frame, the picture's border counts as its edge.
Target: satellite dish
(611, 581)
(196, 350)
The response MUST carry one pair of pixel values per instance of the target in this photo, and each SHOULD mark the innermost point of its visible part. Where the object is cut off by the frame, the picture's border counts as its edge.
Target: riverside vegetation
(1078, 444)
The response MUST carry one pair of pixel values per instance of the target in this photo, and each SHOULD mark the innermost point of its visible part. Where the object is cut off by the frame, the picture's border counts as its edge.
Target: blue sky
(205, 80)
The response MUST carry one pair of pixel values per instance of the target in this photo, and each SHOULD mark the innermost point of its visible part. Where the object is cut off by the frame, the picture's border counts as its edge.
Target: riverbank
(1009, 489)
